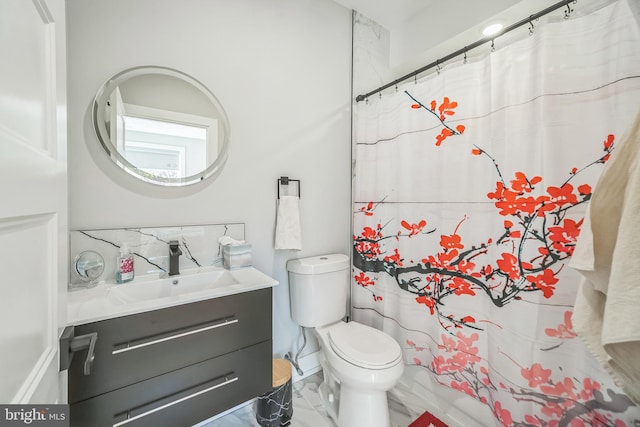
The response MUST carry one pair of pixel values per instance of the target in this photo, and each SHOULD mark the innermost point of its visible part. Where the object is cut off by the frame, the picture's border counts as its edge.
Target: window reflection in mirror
(166, 149)
(161, 126)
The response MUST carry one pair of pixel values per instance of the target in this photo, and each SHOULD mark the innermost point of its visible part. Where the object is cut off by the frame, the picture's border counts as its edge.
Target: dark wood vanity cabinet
(175, 366)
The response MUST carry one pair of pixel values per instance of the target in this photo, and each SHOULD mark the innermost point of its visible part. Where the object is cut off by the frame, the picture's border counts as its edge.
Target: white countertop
(147, 293)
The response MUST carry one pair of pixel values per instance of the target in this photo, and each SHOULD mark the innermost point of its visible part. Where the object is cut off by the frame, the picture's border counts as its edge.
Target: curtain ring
(493, 46)
(569, 10)
(465, 55)
(531, 27)
(438, 69)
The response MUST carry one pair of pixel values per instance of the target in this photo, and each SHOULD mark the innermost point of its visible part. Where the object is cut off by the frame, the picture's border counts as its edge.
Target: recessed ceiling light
(492, 29)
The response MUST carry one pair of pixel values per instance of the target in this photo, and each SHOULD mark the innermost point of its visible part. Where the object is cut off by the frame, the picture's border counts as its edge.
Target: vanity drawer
(135, 348)
(183, 397)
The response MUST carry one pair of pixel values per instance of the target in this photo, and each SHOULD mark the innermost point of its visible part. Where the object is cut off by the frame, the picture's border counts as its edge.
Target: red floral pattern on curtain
(470, 189)
(536, 240)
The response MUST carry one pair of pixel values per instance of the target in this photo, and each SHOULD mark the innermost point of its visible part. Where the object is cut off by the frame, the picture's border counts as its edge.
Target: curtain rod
(436, 63)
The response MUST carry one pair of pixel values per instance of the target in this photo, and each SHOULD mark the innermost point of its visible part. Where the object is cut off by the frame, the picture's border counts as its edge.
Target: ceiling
(394, 13)
(432, 28)
(388, 13)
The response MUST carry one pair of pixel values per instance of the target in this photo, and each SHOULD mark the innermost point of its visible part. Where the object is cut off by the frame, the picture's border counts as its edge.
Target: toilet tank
(318, 289)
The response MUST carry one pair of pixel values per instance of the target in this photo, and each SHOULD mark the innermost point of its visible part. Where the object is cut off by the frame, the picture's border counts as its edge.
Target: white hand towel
(606, 314)
(288, 230)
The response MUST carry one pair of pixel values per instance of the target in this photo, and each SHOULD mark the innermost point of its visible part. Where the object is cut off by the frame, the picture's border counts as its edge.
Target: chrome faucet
(174, 257)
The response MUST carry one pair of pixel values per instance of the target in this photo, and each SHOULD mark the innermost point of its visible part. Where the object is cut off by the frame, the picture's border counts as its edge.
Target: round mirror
(161, 126)
(89, 265)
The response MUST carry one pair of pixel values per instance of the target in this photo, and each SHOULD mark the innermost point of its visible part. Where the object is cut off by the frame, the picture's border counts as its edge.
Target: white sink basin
(108, 300)
(129, 293)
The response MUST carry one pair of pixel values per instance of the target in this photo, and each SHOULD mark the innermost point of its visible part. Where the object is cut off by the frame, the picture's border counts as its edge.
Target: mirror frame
(98, 111)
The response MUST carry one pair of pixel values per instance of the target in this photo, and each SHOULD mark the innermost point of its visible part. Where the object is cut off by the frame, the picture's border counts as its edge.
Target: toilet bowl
(360, 363)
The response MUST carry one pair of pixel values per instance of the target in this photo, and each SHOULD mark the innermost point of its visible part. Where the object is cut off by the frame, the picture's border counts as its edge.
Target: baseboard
(309, 364)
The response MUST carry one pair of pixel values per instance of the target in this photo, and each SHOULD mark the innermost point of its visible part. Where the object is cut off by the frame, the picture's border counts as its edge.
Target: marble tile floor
(307, 409)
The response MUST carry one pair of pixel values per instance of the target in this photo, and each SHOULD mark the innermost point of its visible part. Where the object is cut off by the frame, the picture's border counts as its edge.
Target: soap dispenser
(124, 266)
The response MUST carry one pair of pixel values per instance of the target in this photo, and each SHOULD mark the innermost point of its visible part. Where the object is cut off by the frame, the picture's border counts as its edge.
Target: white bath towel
(288, 230)
(607, 309)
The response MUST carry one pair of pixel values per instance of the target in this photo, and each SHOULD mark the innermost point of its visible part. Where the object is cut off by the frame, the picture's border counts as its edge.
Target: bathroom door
(33, 204)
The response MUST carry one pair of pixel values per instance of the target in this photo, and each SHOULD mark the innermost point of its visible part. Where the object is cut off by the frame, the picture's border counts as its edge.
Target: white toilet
(359, 363)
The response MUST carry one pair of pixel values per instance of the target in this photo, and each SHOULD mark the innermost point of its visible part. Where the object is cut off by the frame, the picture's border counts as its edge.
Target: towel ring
(285, 180)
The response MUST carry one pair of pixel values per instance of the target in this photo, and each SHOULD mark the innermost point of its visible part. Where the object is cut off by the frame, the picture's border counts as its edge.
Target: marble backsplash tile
(150, 246)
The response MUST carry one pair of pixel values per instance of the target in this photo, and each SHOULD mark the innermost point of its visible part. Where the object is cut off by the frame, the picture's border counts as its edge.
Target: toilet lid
(364, 346)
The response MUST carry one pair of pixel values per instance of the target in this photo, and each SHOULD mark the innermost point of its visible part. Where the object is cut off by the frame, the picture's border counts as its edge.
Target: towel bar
(285, 180)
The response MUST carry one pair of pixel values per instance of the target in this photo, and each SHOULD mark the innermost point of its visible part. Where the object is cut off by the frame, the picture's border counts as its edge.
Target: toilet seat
(364, 346)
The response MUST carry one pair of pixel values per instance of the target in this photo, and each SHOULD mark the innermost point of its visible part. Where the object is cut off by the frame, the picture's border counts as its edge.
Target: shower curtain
(470, 188)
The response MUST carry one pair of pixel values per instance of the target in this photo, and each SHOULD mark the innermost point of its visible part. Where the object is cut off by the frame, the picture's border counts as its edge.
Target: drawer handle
(70, 344)
(158, 405)
(156, 339)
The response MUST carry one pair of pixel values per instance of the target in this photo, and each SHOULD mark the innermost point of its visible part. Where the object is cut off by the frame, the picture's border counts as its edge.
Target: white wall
(435, 31)
(281, 69)
(440, 24)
